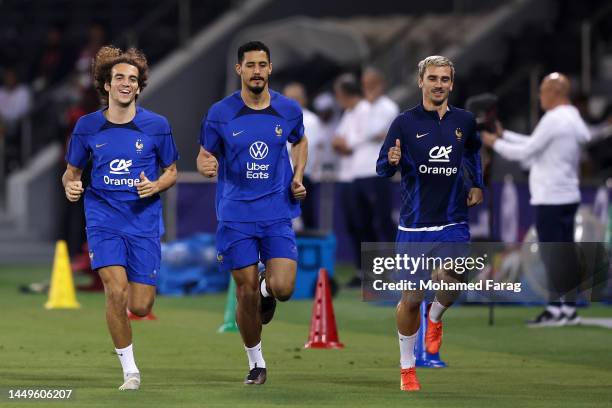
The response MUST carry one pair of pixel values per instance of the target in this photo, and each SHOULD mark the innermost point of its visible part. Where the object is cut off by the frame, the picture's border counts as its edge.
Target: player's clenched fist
(298, 190)
(73, 190)
(207, 164)
(395, 153)
(146, 188)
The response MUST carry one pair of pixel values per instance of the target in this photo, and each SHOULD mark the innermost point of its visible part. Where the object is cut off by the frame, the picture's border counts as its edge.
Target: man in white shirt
(552, 152)
(367, 202)
(383, 110)
(316, 145)
(351, 132)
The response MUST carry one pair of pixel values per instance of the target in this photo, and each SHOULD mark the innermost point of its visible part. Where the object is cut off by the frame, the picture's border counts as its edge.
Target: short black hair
(348, 84)
(252, 46)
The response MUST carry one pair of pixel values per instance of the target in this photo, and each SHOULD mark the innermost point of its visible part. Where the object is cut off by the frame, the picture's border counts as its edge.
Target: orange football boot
(433, 335)
(409, 380)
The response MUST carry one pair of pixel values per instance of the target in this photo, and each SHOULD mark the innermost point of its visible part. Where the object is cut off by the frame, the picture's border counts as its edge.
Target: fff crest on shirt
(278, 130)
(139, 145)
(458, 134)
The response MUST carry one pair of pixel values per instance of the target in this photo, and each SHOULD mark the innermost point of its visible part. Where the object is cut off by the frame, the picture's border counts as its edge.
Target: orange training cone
(323, 332)
(61, 292)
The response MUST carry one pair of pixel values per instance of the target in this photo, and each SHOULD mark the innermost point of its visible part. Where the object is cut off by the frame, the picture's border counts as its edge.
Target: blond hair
(436, 61)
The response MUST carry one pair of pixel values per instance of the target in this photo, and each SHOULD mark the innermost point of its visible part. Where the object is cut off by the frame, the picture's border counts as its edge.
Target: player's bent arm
(71, 180)
(71, 174)
(206, 163)
(167, 178)
(299, 156)
(384, 167)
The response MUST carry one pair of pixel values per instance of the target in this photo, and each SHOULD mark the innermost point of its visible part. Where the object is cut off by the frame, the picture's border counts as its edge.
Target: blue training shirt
(119, 152)
(435, 154)
(254, 178)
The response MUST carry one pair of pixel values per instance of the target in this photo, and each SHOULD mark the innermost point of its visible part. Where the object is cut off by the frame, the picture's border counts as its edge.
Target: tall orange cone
(323, 332)
(61, 292)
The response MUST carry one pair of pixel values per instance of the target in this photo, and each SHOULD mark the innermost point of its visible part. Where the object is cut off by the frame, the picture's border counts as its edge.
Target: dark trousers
(555, 227)
(309, 216)
(369, 217)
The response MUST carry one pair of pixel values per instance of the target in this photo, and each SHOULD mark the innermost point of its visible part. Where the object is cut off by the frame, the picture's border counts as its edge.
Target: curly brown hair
(109, 56)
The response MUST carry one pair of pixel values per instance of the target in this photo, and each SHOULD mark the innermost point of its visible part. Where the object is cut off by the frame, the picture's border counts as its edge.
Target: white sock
(126, 357)
(554, 310)
(568, 310)
(255, 356)
(263, 289)
(406, 345)
(436, 311)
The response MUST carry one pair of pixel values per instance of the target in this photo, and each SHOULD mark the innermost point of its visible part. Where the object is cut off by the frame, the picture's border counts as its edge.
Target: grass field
(184, 362)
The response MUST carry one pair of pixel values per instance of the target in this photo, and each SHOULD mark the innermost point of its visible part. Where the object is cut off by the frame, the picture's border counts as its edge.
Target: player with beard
(431, 144)
(243, 141)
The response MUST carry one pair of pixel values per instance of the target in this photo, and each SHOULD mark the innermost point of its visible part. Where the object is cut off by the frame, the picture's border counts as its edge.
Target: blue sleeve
(383, 168)
(166, 148)
(471, 156)
(210, 138)
(77, 154)
(298, 130)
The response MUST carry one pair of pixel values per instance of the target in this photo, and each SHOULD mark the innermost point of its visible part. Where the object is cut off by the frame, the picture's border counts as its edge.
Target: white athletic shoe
(132, 382)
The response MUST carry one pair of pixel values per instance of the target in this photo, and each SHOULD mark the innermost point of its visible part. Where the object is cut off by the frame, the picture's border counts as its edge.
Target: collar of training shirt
(434, 114)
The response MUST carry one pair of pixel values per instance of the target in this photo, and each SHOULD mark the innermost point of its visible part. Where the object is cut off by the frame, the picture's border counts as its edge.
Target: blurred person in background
(126, 145)
(52, 63)
(15, 103)
(96, 39)
(316, 144)
(553, 153)
(382, 113)
(327, 110)
(356, 162)
(72, 218)
(432, 145)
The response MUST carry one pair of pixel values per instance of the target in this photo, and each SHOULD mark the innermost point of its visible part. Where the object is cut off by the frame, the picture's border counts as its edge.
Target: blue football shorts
(240, 244)
(450, 242)
(140, 256)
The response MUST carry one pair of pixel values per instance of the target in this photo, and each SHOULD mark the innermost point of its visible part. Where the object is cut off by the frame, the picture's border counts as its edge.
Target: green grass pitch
(185, 362)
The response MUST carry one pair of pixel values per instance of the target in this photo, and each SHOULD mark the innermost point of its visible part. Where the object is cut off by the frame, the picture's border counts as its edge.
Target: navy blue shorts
(452, 233)
(449, 242)
(140, 256)
(240, 244)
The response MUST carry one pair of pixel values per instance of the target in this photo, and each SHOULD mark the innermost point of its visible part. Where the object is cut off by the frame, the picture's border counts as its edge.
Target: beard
(257, 89)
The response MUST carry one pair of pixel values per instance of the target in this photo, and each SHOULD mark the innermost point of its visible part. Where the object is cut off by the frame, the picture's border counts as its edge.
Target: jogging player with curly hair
(127, 146)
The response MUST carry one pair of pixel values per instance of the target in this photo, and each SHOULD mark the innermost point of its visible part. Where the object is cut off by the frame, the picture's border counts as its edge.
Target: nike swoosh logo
(237, 133)
(100, 145)
(420, 136)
